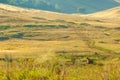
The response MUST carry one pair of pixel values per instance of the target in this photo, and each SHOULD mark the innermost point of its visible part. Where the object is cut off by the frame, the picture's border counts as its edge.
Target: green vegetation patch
(11, 34)
(2, 38)
(17, 35)
(45, 26)
(4, 27)
(94, 56)
(85, 24)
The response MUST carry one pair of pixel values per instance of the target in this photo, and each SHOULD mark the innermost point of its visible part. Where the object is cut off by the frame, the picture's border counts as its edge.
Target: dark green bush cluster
(17, 35)
(3, 38)
(45, 26)
(31, 26)
(4, 27)
(62, 26)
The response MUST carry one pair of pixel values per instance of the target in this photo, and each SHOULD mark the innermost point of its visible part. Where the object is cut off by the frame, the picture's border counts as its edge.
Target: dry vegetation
(40, 45)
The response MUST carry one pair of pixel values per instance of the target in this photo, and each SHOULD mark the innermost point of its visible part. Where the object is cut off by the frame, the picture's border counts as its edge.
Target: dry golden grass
(19, 16)
(43, 45)
(32, 47)
(111, 13)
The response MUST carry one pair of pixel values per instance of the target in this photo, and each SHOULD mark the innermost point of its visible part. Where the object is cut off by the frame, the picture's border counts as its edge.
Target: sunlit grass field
(59, 52)
(42, 45)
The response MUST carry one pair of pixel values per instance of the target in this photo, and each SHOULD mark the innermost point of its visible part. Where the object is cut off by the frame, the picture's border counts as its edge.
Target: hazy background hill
(66, 6)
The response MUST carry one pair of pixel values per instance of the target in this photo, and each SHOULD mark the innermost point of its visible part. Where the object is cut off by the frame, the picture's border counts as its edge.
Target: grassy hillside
(111, 13)
(42, 45)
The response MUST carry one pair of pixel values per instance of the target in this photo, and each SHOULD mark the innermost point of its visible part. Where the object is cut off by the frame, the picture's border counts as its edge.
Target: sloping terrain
(43, 45)
(66, 6)
(16, 14)
(37, 25)
(111, 13)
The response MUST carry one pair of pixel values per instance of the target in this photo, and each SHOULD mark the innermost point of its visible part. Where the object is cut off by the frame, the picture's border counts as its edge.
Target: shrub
(18, 35)
(31, 26)
(117, 40)
(55, 26)
(4, 38)
(4, 27)
(84, 24)
(62, 26)
(98, 20)
(102, 42)
(71, 22)
(117, 28)
(99, 27)
(45, 26)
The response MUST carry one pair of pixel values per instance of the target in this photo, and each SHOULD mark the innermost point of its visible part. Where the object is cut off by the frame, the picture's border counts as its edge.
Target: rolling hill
(38, 25)
(113, 13)
(65, 6)
(16, 14)
(44, 45)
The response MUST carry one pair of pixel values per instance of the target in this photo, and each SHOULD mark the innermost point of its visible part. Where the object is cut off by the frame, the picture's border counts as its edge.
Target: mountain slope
(54, 29)
(111, 13)
(12, 14)
(65, 6)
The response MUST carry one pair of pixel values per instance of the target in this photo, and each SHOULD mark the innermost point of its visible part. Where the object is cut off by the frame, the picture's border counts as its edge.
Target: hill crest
(65, 6)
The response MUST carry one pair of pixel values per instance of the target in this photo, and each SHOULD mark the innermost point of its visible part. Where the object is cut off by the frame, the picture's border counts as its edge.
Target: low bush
(45, 26)
(17, 35)
(84, 24)
(99, 27)
(4, 27)
(117, 28)
(3, 38)
(30, 26)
